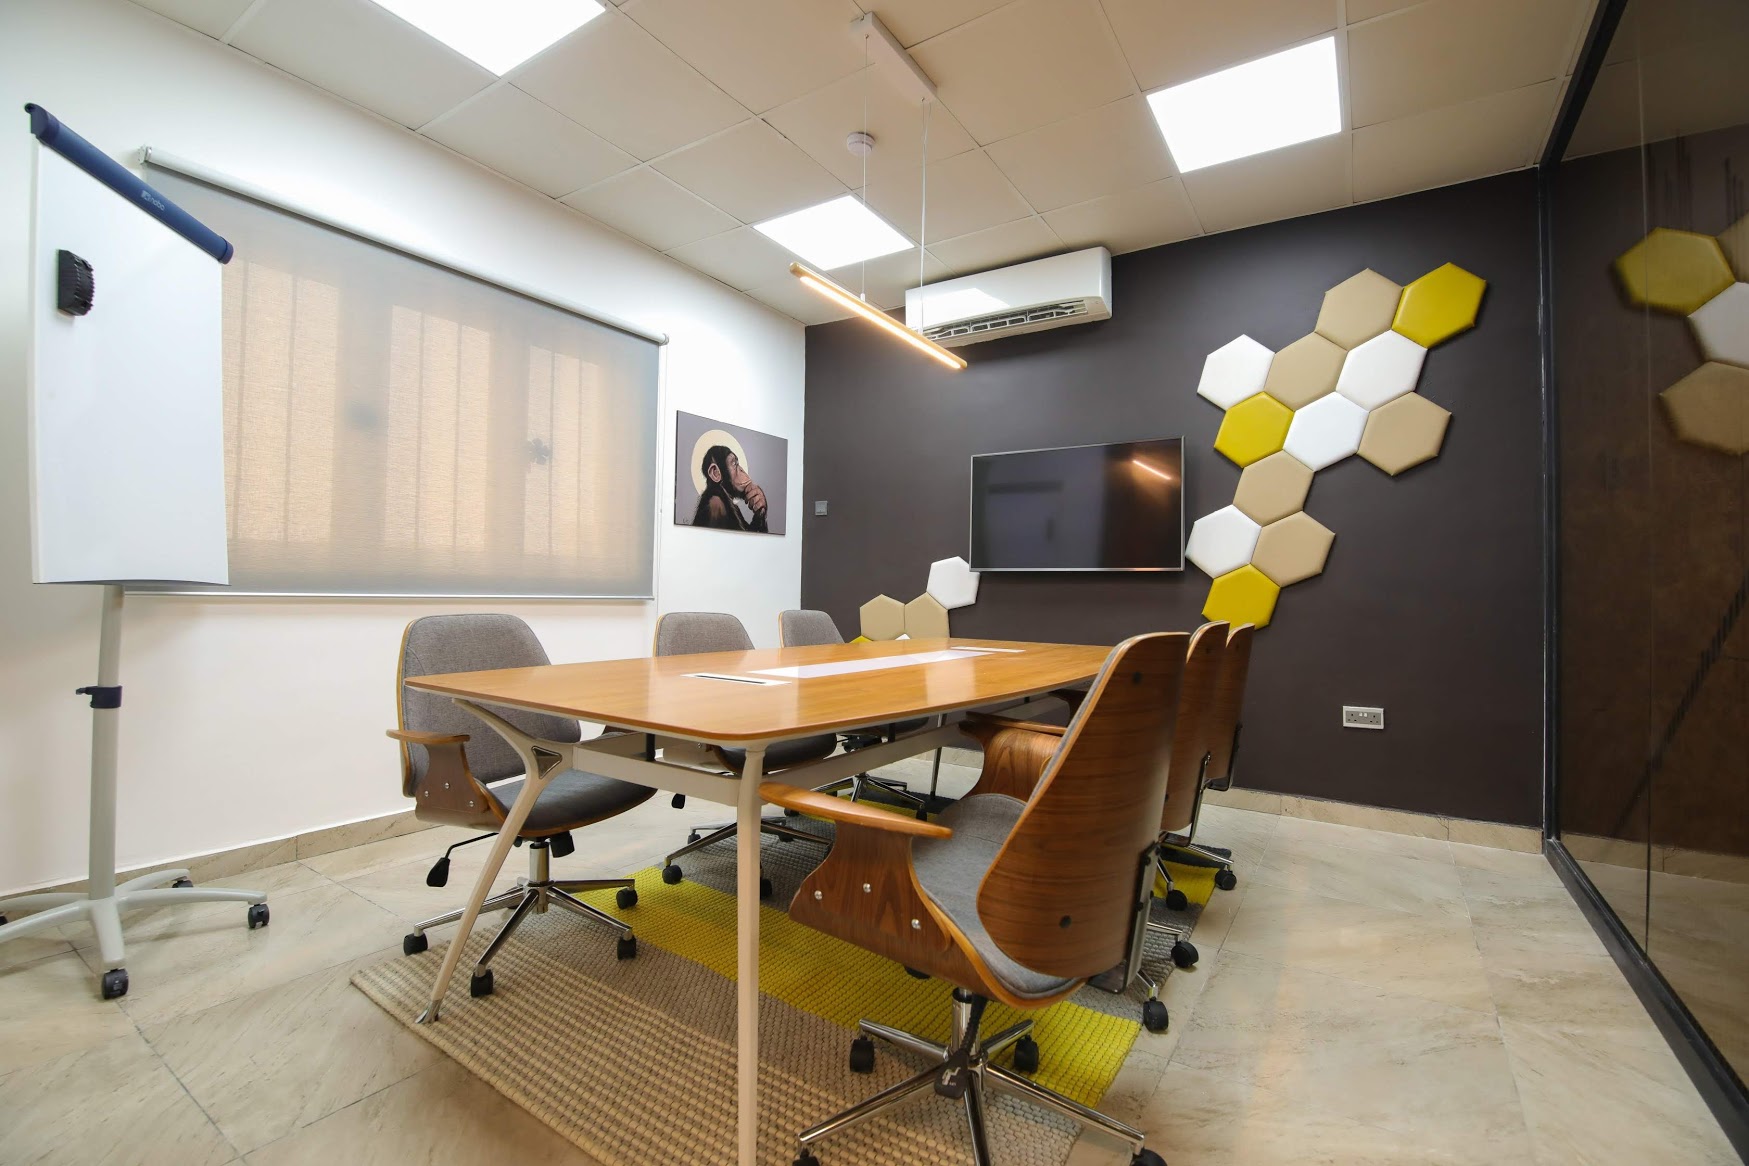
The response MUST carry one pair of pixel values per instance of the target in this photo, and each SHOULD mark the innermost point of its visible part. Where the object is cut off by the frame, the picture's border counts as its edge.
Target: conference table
(669, 706)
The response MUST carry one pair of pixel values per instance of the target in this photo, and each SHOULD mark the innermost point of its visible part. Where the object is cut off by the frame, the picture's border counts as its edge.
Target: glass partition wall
(1649, 238)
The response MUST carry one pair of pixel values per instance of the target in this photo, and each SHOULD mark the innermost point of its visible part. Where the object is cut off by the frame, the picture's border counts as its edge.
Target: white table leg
(747, 957)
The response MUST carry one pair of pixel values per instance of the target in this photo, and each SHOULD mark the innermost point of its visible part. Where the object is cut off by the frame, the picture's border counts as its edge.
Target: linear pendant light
(842, 296)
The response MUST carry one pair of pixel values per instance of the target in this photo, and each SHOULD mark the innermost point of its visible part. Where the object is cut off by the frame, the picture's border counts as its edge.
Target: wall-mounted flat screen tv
(1117, 507)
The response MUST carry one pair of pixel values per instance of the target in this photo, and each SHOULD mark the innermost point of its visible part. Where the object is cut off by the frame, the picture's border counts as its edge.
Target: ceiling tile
(1296, 180)
(913, 21)
(619, 81)
(651, 209)
(1503, 131)
(883, 281)
(213, 17)
(514, 134)
(1446, 52)
(966, 193)
(760, 52)
(1359, 10)
(741, 258)
(358, 51)
(751, 171)
(998, 246)
(1026, 65)
(1112, 148)
(820, 121)
(1147, 217)
(788, 296)
(1169, 43)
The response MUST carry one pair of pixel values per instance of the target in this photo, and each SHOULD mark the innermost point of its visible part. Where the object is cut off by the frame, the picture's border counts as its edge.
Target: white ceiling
(680, 122)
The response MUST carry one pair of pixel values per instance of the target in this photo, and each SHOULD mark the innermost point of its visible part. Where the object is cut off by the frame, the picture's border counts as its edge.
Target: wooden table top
(659, 694)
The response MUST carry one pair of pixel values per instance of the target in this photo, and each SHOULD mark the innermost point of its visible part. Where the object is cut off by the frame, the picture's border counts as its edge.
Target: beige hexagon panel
(925, 618)
(1273, 488)
(883, 618)
(1304, 371)
(1358, 308)
(1403, 433)
(1293, 549)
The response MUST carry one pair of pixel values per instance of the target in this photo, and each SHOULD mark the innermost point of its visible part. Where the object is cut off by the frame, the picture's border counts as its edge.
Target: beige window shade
(393, 427)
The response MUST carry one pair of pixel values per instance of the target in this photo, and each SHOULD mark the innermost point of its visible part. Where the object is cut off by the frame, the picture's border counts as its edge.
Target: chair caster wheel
(678, 801)
(1177, 900)
(916, 975)
(1155, 1017)
(1026, 1055)
(1147, 1158)
(257, 915)
(115, 983)
(2, 920)
(183, 882)
(1226, 880)
(626, 948)
(481, 983)
(1184, 954)
(414, 942)
(862, 1055)
(671, 874)
(765, 888)
(626, 898)
(692, 837)
(805, 1158)
(789, 813)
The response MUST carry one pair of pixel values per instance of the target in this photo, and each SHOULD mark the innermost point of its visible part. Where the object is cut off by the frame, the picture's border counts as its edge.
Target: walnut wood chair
(445, 769)
(1019, 893)
(1220, 739)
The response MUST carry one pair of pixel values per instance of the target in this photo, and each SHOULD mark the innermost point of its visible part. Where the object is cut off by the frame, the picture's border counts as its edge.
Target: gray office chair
(446, 765)
(682, 633)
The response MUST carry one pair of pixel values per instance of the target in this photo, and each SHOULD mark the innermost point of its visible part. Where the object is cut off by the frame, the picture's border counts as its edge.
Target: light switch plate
(819, 509)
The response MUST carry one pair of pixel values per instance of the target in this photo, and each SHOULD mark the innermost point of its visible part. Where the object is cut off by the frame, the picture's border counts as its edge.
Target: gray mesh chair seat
(572, 799)
(783, 754)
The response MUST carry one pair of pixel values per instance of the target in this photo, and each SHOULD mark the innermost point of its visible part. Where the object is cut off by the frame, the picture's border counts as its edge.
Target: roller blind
(393, 427)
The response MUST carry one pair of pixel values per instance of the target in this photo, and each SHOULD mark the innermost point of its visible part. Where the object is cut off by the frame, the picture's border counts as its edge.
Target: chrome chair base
(710, 835)
(859, 784)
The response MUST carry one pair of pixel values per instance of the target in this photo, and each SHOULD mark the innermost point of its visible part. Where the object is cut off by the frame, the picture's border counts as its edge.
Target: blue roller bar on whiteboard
(81, 153)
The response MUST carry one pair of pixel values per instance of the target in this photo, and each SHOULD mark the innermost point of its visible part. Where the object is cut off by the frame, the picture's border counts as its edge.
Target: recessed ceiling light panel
(834, 234)
(1290, 97)
(499, 35)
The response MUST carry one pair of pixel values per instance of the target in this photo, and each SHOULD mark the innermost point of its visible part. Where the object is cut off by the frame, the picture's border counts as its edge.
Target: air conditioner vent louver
(1004, 321)
(1055, 292)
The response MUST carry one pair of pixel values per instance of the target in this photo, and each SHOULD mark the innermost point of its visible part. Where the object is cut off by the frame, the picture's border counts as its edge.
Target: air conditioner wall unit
(1027, 297)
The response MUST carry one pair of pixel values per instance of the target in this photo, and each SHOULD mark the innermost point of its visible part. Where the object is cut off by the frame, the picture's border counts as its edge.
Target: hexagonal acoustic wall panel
(1234, 371)
(1273, 488)
(953, 583)
(883, 618)
(1403, 433)
(1293, 549)
(926, 618)
(1358, 308)
(1439, 305)
(1222, 541)
(1245, 595)
(1326, 431)
(1304, 371)
(1710, 407)
(1382, 369)
(1722, 325)
(1674, 271)
(1253, 429)
(1735, 244)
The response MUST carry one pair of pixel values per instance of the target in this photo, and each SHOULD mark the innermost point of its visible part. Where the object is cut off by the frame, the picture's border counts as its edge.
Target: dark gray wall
(1430, 602)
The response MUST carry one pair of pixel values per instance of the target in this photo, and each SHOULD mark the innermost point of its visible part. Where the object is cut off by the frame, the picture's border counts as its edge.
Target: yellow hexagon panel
(925, 618)
(1710, 407)
(1273, 488)
(1304, 371)
(883, 618)
(1358, 308)
(1253, 429)
(1439, 305)
(1403, 433)
(1242, 596)
(1673, 271)
(1293, 549)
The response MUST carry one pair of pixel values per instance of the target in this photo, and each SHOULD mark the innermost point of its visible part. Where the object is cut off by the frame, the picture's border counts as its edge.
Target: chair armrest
(977, 719)
(414, 737)
(847, 812)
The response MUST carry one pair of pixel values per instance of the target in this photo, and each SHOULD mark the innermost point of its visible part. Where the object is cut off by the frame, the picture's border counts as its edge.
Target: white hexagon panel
(1722, 325)
(1327, 430)
(1222, 541)
(1234, 371)
(1382, 369)
(953, 583)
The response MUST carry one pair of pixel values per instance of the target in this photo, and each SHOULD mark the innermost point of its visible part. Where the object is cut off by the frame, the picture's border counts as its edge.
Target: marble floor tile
(1247, 833)
(1180, 992)
(401, 890)
(1558, 987)
(1309, 831)
(1510, 902)
(50, 1008)
(32, 948)
(1378, 879)
(113, 1104)
(1531, 867)
(426, 845)
(1430, 956)
(442, 1116)
(276, 882)
(266, 1064)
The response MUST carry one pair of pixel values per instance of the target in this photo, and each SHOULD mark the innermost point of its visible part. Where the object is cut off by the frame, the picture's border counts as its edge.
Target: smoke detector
(860, 142)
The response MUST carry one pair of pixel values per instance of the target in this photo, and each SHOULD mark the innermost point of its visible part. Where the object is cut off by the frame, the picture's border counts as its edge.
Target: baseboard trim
(1499, 835)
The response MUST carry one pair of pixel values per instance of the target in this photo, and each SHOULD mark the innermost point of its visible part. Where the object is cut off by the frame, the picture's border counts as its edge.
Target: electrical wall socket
(1361, 717)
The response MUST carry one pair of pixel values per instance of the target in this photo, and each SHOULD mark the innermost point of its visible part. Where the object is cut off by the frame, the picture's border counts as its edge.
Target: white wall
(250, 719)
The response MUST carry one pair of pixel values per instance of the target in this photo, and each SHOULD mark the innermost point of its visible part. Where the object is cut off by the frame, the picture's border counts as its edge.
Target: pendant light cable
(923, 197)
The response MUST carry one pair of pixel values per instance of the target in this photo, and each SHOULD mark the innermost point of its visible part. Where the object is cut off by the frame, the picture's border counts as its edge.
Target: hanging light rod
(814, 281)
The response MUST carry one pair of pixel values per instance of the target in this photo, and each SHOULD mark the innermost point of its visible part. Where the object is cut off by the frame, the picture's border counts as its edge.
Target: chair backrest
(1060, 897)
(681, 633)
(1196, 706)
(435, 644)
(804, 629)
(1228, 703)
